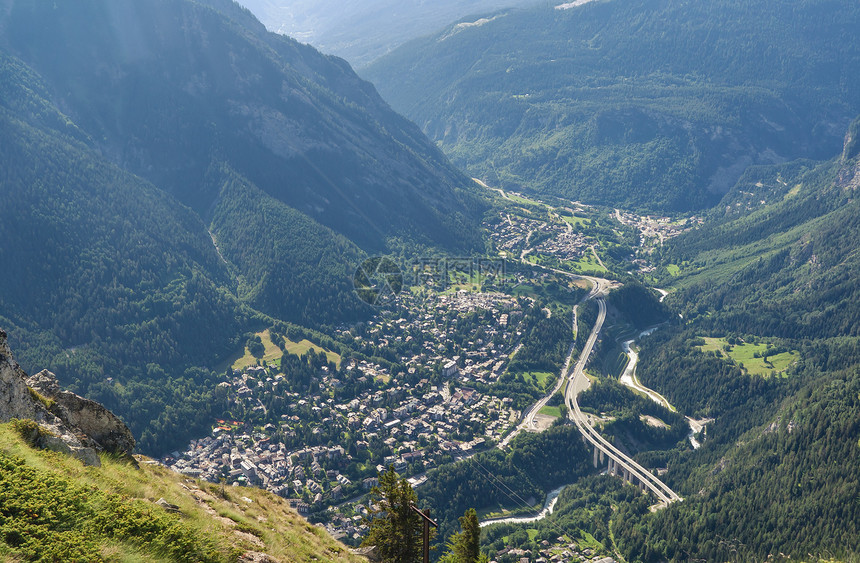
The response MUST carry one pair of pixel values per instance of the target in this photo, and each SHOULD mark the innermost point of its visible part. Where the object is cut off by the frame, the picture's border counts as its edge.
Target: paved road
(599, 286)
(579, 382)
(528, 422)
(596, 257)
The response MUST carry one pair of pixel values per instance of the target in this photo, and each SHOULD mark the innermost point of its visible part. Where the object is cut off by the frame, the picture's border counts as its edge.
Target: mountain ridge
(72, 491)
(280, 110)
(655, 105)
(362, 31)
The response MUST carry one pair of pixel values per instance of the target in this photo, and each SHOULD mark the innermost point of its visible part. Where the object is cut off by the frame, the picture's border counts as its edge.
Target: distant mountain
(363, 30)
(172, 175)
(654, 104)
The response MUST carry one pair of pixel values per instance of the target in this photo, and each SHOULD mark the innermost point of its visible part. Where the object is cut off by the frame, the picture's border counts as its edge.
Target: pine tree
(465, 546)
(395, 529)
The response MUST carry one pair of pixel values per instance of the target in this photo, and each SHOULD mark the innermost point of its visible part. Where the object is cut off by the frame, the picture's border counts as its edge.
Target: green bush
(28, 430)
(44, 517)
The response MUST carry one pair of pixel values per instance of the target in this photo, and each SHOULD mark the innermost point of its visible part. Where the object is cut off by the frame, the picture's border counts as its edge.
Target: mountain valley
(288, 292)
(658, 106)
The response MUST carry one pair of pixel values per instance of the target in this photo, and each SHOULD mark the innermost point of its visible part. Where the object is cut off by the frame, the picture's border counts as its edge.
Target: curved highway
(598, 286)
(579, 382)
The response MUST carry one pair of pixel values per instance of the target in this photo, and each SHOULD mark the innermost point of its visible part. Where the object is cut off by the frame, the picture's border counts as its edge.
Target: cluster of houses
(425, 336)
(513, 232)
(416, 425)
(560, 551)
(417, 433)
(556, 238)
(653, 231)
(564, 245)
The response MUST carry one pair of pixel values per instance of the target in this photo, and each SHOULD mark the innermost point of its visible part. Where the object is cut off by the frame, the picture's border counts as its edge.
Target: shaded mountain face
(363, 30)
(196, 98)
(655, 104)
(165, 88)
(106, 280)
(172, 176)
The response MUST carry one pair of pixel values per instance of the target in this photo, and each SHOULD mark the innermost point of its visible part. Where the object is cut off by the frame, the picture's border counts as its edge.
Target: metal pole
(427, 540)
(426, 532)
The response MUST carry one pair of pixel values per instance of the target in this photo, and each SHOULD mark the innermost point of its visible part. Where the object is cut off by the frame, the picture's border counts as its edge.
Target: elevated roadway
(618, 462)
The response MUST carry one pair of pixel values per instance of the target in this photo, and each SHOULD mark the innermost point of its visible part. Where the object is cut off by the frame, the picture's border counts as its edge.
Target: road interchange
(619, 462)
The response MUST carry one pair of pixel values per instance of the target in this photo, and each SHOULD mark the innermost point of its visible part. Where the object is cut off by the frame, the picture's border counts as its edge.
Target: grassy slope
(272, 352)
(745, 354)
(73, 505)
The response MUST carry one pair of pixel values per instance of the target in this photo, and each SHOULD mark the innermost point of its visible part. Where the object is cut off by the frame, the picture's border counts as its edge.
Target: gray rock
(16, 400)
(369, 552)
(67, 423)
(167, 506)
(91, 418)
(256, 557)
(88, 456)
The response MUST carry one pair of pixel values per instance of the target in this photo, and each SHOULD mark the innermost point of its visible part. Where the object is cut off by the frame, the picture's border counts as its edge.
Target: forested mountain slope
(167, 87)
(134, 138)
(786, 240)
(104, 275)
(774, 270)
(656, 104)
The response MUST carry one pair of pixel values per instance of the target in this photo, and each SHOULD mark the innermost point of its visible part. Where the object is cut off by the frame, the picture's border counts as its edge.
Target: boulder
(16, 399)
(105, 428)
(166, 505)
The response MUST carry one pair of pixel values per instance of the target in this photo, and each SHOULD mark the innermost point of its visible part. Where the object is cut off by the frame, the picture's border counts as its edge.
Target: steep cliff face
(849, 172)
(67, 422)
(16, 400)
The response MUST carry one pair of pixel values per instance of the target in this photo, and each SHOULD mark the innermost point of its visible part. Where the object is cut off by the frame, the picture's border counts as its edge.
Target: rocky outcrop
(99, 424)
(851, 146)
(848, 176)
(371, 553)
(16, 400)
(66, 422)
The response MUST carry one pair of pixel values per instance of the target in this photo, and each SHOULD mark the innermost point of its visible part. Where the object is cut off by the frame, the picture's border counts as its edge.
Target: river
(629, 379)
(548, 507)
